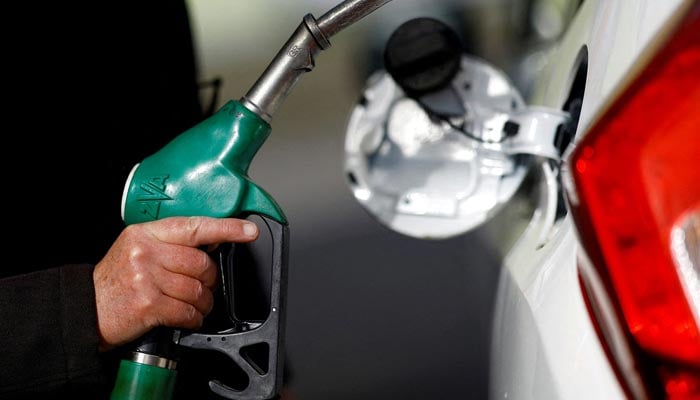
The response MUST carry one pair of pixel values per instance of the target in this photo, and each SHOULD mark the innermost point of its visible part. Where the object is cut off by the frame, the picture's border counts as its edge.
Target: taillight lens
(636, 176)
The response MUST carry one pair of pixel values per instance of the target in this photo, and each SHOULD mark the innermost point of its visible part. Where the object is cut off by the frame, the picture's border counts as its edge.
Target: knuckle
(136, 269)
(197, 321)
(204, 264)
(183, 315)
(193, 226)
(131, 230)
(137, 279)
(204, 301)
(208, 302)
(205, 270)
(136, 255)
(198, 290)
(135, 232)
(144, 304)
(191, 318)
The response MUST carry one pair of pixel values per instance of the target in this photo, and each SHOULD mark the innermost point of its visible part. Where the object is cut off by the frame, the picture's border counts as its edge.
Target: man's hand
(156, 274)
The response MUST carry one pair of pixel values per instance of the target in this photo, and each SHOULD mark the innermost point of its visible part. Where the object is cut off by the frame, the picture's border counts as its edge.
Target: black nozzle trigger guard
(262, 385)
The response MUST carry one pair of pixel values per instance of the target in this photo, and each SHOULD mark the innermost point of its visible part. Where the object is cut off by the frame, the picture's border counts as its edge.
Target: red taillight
(637, 179)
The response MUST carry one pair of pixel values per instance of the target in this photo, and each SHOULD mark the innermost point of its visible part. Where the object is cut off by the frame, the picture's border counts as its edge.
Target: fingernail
(250, 229)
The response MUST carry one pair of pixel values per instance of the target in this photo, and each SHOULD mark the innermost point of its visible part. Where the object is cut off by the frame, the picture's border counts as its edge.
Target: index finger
(198, 231)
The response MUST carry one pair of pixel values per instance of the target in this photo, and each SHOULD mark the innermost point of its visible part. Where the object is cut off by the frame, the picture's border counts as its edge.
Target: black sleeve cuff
(79, 321)
(49, 328)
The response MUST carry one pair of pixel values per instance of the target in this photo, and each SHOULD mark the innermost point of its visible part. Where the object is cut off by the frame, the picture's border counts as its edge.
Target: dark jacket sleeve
(48, 326)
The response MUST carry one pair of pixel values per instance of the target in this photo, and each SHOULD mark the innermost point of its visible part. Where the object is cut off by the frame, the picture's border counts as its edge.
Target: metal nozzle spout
(297, 56)
(346, 14)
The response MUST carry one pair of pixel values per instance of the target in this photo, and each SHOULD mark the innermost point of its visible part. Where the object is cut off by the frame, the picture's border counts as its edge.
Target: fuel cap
(423, 55)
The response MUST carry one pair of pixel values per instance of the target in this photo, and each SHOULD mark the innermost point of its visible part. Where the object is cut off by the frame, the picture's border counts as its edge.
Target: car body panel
(544, 344)
(616, 33)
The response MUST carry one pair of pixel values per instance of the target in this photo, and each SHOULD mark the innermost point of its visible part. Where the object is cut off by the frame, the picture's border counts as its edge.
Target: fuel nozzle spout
(298, 54)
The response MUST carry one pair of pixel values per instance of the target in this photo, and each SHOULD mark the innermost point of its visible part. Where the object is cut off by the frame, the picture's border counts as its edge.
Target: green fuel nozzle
(204, 172)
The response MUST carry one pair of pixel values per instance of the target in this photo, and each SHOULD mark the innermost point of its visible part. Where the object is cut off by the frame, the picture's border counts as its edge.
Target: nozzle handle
(264, 374)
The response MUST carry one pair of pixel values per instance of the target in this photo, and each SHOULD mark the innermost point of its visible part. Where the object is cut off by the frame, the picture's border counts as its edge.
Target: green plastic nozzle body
(137, 381)
(203, 172)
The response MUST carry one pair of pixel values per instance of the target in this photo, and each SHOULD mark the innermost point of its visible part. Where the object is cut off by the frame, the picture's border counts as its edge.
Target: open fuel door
(441, 140)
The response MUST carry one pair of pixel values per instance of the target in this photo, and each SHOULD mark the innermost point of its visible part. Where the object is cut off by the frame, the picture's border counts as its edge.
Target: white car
(600, 294)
